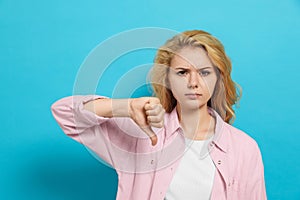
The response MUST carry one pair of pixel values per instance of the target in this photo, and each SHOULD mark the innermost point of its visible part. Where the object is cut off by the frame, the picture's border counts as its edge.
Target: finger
(154, 119)
(154, 100)
(151, 103)
(158, 125)
(148, 106)
(154, 109)
(148, 130)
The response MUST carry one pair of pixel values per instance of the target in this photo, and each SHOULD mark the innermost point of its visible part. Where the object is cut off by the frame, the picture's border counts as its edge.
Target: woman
(194, 152)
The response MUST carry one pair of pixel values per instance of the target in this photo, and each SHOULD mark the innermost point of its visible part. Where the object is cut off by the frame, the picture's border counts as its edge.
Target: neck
(197, 124)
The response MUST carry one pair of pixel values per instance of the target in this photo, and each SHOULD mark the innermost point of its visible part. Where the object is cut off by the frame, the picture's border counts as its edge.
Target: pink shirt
(145, 171)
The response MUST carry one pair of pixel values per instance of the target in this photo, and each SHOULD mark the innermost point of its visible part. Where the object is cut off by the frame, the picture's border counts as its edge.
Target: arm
(145, 111)
(109, 107)
(89, 120)
(71, 116)
(257, 189)
(82, 125)
(76, 114)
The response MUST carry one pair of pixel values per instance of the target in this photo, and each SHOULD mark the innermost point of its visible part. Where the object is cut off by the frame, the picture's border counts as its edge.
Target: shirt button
(219, 162)
(152, 162)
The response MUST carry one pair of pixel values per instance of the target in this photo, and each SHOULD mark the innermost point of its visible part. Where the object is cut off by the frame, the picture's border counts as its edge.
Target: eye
(204, 73)
(181, 72)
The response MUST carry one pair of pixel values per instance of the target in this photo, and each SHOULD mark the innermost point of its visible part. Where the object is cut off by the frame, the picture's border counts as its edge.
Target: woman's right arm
(78, 114)
(109, 107)
(145, 111)
(73, 118)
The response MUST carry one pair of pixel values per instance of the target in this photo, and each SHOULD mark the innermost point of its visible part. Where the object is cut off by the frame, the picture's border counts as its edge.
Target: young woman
(195, 152)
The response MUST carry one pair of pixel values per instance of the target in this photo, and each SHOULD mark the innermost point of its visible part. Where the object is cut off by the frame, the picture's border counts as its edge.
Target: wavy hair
(226, 92)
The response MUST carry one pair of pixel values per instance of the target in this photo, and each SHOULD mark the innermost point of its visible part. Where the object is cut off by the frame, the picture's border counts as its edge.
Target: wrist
(121, 108)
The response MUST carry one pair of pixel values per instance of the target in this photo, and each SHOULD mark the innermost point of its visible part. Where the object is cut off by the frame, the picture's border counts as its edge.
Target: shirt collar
(172, 125)
(219, 136)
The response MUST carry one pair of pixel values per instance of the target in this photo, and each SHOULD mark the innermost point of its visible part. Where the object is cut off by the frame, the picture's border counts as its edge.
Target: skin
(192, 80)
(146, 112)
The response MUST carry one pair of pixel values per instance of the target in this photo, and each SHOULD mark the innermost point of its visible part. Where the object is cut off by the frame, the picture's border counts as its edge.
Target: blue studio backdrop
(44, 44)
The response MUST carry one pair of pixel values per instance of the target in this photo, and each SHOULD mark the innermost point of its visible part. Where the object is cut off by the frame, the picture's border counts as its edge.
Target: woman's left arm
(256, 185)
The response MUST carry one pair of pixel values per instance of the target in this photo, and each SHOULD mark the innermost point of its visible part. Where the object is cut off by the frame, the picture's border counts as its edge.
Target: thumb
(148, 130)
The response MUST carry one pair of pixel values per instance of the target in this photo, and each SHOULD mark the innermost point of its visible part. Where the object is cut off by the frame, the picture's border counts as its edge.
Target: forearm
(109, 107)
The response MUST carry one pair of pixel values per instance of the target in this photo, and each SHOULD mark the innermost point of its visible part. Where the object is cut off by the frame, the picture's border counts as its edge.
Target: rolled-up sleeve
(72, 117)
(118, 141)
(82, 125)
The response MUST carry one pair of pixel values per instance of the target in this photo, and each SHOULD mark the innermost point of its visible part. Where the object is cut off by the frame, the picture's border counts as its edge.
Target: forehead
(191, 57)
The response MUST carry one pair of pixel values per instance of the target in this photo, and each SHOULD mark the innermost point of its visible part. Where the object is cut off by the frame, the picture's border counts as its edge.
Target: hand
(147, 112)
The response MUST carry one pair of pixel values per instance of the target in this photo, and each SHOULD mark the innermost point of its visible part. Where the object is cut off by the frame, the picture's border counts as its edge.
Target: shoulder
(239, 140)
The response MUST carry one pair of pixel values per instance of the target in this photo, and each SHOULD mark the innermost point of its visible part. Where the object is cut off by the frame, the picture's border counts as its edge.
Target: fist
(147, 112)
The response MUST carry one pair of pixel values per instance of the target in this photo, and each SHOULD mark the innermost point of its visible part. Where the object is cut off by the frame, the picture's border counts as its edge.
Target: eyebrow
(186, 68)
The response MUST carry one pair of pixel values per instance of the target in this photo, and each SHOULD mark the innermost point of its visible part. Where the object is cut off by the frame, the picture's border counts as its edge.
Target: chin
(193, 106)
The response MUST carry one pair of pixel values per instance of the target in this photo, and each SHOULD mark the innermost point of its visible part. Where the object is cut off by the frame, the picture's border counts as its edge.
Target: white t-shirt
(194, 176)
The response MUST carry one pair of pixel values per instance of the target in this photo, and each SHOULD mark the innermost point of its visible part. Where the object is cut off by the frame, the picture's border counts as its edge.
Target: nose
(194, 80)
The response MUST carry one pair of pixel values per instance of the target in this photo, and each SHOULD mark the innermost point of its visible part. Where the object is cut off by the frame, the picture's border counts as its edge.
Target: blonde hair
(225, 93)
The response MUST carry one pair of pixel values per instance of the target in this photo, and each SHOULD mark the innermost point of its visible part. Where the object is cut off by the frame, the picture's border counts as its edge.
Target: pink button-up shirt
(145, 171)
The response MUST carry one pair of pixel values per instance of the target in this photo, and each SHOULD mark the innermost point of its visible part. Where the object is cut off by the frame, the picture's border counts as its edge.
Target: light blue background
(43, 44)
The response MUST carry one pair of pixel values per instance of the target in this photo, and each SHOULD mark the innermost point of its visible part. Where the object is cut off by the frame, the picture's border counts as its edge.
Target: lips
(193, 95)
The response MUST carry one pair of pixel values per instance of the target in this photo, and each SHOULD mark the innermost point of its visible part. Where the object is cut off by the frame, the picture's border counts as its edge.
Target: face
(192, 78)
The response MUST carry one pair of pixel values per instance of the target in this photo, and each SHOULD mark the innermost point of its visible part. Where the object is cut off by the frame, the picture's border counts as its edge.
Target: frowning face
(192, 78)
